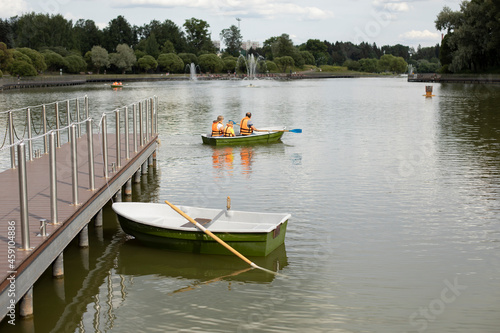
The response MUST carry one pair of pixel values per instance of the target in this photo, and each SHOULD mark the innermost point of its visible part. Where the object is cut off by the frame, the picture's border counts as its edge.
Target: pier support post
(26, 304)
(128, 187)
(58, 266)
(144, 168)
(150, 160)
(98, 219)
(118, 196)
(83, 240)
(23, 196)
(137, 177)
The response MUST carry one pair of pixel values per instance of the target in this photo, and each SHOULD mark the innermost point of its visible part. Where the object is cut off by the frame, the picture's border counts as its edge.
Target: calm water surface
(395, 203)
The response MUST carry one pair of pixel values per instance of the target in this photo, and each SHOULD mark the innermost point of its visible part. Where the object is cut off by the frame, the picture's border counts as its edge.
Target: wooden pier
(48, 201)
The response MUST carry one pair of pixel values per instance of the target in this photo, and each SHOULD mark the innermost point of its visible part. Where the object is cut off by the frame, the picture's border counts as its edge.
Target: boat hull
(248, 244)
(267, 137)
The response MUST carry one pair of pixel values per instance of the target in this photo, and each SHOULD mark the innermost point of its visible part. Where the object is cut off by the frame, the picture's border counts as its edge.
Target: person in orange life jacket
(228, 130)
(218, 127)
(246, 125)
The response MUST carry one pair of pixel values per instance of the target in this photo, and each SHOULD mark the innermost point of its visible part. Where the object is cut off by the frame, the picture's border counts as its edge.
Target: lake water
(395, 203)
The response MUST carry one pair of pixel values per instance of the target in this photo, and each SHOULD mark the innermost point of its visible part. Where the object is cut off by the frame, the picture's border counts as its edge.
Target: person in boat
(246, 125)
(218, 126)
(229, 130)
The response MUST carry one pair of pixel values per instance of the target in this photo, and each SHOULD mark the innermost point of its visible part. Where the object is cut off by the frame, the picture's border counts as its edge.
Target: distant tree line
(35, 43)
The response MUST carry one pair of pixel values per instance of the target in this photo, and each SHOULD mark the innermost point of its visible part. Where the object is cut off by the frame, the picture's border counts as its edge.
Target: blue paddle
(296, 130)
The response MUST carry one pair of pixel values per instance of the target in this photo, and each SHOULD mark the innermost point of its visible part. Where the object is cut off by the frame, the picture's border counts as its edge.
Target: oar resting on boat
(295, 130)
(220, 241)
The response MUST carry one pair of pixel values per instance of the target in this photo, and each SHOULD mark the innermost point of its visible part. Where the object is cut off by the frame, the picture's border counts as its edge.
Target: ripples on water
(394, 198)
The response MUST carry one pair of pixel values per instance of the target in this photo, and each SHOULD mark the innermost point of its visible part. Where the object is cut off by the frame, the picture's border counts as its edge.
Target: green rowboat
(257, 137)
(251, 234)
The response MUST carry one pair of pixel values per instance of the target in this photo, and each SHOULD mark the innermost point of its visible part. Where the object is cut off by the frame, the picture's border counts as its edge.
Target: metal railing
(51, 142)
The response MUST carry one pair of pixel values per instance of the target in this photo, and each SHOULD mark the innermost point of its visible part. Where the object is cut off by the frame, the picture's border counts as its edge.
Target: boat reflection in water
(223, 158)
(135, 259)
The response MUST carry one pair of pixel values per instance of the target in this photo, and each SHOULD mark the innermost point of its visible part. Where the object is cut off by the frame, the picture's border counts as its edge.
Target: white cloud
(251, 8)
(12, 8)
(420, 35)
(391, 5)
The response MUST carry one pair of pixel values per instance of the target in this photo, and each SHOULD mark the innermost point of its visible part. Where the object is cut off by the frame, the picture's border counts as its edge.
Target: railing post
(127, 148)
(134, 123)
(151, 102)
(30, 144)
(74, 164)
(141, 138)
(11, 138)
(23, 196)
(105, 146)
(78, 127)
(58, 134)
(147, 120)
(44, 122)
(68, 116)
(86, 106)
(156, 114)
(53, 178)
(90, 143)
(118, 141)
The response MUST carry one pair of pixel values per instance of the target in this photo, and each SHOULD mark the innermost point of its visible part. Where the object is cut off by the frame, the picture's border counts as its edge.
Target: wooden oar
(295, 130)
(220, 241)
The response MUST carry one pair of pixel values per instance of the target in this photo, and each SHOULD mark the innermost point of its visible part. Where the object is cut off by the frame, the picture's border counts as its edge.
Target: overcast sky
(385, 22)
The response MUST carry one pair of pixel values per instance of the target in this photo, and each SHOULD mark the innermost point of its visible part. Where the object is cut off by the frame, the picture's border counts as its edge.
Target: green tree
(168, 47)
(87, 34)
(147, 63)
(197, 36)
(100, 57)
(352, 65)
(284, 63)
(368, 65)
(54, 60)
(124, 58)
(42, 30)
(37, 59)
(171, 62)
(166, 31)
(118, 31)
(6, 57)
(308, 58)
(210, 63)
(473, 34)
(22, 68)
(229, 64)
(188, 58)
(152, 47)
(75, 64)
(232, 39)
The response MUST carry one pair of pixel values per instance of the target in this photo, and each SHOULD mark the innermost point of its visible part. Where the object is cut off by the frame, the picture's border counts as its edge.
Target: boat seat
(200, 220)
